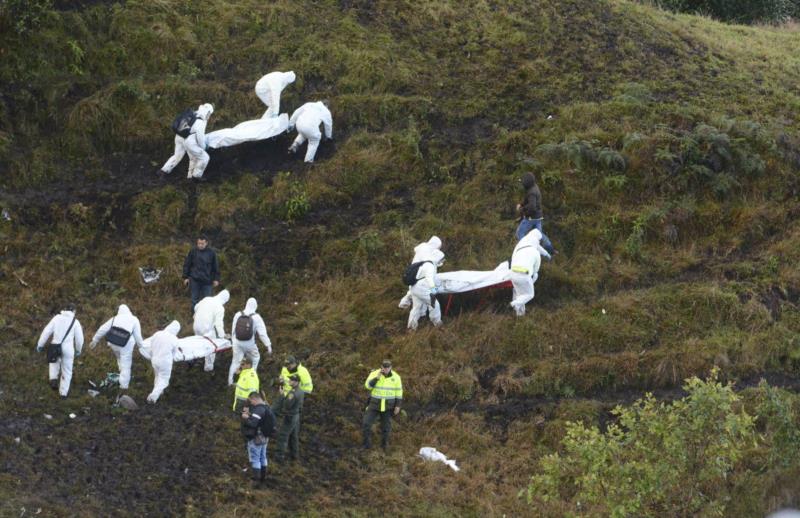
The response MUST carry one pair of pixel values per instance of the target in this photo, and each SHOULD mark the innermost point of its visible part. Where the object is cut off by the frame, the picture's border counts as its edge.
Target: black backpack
(244, 328)
(410, 275)
(117, 335)
(182, 125)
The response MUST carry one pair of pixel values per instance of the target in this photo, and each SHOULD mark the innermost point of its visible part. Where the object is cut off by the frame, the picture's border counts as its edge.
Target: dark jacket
(532, 206)
(292, 403)
(201, 266)
(261, 417)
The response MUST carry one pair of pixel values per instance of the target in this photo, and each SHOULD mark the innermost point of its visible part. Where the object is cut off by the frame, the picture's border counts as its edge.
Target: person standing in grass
(63, 337)
(291, 404)
(258, 424)
(385, 399)
(201, 270)
(530, 212)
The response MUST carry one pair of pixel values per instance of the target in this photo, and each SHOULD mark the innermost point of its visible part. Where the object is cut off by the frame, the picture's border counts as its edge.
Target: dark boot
(256, 475)
(54, 384)
(263, 475)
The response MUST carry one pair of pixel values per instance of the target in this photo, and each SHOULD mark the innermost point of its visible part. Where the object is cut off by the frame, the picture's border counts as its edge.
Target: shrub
(736, 11)
(659, 459)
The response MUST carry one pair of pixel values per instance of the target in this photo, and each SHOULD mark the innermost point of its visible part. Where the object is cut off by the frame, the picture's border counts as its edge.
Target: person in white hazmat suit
(422, 252)
(269, 89)
(246, 345)
(525, 263)
(194, 145)
(423, 293)
(209, 320)
(63, 329)
(121, 332)
(306, 121)
(162, 350)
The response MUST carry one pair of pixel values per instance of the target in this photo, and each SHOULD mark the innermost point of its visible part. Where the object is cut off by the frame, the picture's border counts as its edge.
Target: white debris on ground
(435, 455)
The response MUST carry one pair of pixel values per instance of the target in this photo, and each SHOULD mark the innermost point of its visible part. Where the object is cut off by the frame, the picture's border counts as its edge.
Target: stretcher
(192, 348)
(464, 281)
(248, 131)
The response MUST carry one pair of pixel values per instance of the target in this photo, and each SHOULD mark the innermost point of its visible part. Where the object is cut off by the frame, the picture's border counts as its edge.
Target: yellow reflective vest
(387, 390)
(305, 379)
(247, 383)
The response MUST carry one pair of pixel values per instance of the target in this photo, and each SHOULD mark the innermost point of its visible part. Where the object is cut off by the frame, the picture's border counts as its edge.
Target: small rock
(549, 117)
(16, 440)
(48, 416)
(72, 416)
(127, 402)
(186, 471)
(295, 303)
(6, 215)
(603, 311)
(93, 393)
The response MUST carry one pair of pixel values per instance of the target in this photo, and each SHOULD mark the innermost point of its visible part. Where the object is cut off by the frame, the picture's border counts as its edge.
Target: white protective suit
(525, 262)
(421, 293)
(194, 145)
(71, 346)
(422, 252)
(162, 350)
(269, 89)
(248, 348)
(125, 320)
(306, 120)
(209, 320)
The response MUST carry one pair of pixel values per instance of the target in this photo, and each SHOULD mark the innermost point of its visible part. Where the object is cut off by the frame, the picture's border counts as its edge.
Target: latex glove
(396, 410)
(39, 349)
(92, 345)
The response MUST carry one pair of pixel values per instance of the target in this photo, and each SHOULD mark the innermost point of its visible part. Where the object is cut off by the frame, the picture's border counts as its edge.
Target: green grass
(669, 177)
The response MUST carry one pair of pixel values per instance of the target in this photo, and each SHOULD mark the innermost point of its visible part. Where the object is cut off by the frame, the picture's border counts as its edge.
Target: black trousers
(199, 292)
(386, 426)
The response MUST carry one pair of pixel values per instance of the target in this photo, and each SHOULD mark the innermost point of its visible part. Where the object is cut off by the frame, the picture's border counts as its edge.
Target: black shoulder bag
(54, 350)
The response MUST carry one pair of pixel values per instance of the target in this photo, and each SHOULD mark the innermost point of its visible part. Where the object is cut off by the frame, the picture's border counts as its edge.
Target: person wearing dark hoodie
(530, 211)
(201, 270)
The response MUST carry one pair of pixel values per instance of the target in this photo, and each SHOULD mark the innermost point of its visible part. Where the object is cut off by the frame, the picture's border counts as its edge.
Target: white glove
(92, 345)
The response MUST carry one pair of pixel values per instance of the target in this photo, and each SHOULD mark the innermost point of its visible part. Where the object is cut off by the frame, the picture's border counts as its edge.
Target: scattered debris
(549, 117)
(186, 471)
(149, 275)
(17, 440)
(435, 455)
(72, 416)
(94, 393)
(48, 416)
(112, 380)
(6, 216)
(603, 311)
(21, 280)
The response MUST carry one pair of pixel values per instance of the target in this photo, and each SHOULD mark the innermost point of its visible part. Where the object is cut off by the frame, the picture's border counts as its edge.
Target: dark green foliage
(736, 11)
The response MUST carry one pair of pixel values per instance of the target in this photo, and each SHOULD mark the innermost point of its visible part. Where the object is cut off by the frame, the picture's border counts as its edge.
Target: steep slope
(669, 174)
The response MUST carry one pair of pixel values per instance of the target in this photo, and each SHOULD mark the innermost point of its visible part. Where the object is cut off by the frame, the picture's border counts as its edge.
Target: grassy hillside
(669, 172)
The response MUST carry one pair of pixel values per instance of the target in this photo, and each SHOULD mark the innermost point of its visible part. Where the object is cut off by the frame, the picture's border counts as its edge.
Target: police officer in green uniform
(290, 405)
(385, 398)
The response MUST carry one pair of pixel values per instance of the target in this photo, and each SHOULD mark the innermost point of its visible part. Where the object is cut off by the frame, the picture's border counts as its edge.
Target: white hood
(223, 297)
(251, 306)
(437, 257)
(435, 243)
(288, 78)
(174, 327)
(123, 310)
(204, 111)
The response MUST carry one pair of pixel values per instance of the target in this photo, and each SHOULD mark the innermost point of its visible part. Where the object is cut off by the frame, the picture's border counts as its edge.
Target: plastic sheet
(462, 281)
(191, 348)
(248, 131)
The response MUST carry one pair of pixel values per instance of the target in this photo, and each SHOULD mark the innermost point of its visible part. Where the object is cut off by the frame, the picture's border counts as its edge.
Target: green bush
(659, 459)
(737, 11)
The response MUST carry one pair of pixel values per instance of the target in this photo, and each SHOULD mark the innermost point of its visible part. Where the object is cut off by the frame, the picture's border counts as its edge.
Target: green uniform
(245, 384)
(288, 436)
(385, 394)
